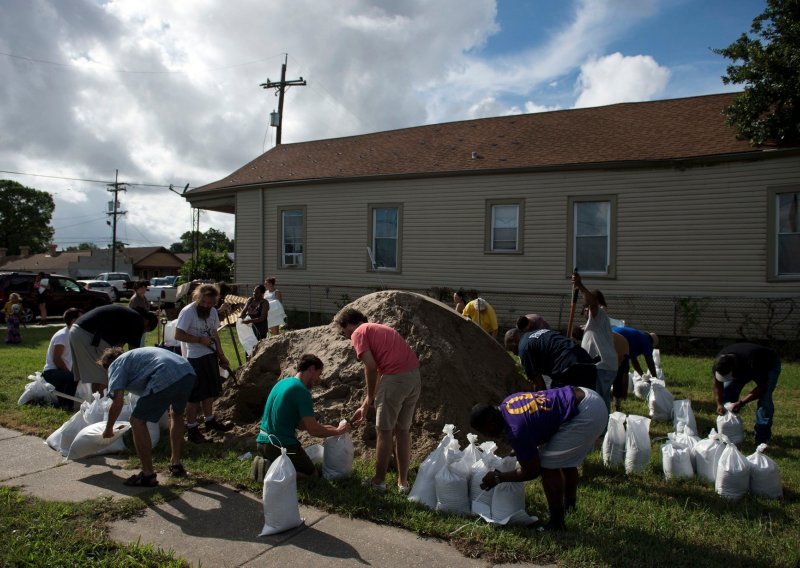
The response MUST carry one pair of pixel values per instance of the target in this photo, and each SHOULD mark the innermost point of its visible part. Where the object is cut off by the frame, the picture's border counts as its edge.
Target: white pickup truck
(121, 281)
(164, 292)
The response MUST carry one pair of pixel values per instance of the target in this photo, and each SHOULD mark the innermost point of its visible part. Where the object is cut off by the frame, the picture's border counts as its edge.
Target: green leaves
(25, 215)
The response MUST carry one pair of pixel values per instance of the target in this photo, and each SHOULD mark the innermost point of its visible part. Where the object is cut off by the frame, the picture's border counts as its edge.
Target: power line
(104, 182)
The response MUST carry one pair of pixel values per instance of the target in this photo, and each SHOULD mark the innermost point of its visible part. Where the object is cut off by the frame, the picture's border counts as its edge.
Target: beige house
(685, 228)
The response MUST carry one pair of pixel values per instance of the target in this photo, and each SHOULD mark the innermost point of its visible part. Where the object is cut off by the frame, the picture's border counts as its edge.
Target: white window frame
(489, 235)
(373, 209)
(298, 257)
(611, 229)
(774, 234)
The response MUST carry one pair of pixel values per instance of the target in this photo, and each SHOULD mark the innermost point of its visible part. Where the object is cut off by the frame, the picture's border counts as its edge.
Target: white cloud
(617, 78)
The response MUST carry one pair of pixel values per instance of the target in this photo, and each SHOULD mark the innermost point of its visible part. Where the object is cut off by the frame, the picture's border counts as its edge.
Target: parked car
(63, 292)
(163, 292)
(121, 281)
(100, 286)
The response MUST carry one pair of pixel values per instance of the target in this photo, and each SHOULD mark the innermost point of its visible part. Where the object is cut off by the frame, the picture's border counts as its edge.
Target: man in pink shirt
(393, 386)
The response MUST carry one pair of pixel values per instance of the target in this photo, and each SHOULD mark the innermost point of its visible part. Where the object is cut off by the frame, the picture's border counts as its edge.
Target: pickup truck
(121, 281)
(164, 292)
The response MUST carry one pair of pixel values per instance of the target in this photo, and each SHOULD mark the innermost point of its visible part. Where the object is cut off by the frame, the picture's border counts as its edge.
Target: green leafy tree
(82, 246)
(769, 108)
(210, 264)
(25, 215)
(212, 239)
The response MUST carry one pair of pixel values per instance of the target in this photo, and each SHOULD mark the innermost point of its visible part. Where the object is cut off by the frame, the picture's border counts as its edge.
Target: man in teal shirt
(289, 408)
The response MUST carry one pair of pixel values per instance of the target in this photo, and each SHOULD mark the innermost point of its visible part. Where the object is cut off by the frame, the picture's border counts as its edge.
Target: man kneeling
(565, 422)
(163, 380)
(289, 408)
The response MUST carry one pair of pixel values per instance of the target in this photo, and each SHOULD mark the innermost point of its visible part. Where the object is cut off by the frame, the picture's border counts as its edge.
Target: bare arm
(181, 335)
(310, 425)
(371, 373)
(113, 413)
(717, 387)
(58, 358)
(650, 365)
(588, 297)
(528, 469)
(754, 394)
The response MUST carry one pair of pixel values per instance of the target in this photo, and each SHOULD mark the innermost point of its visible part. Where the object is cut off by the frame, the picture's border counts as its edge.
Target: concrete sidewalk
(214, 524)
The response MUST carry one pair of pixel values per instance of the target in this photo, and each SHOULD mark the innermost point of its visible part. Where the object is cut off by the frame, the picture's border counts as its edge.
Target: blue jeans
(765, 409)
(605, 379)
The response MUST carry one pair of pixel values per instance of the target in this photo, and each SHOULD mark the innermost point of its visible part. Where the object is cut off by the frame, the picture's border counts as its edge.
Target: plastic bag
(38, 390)
(62, 438)
(337, 461)
(279, 497)
(424, 489)
(641, 386)
(90, 441)
(247, 337)
(276, 316)
(676, 460)
(614, 440)
(481, 500)
(315, 453)
(96, 411)
(657, 357)
(637, 444)
(660, 402)
(765, 479)
(707, 453)
(686, 438)
(730, 425)
(733, 473)
(452, 483)
(472, 452)
(508, 499)
(682, 415)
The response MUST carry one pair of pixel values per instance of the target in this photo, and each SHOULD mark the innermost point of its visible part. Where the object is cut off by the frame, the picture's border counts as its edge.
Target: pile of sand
(460, 366)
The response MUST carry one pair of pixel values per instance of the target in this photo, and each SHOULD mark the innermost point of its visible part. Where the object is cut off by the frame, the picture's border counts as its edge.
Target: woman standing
(277, 315)
(138, 300)
(460, 300)
(256, 312)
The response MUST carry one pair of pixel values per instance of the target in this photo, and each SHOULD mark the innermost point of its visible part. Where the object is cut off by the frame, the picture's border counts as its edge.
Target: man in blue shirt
(163, 380)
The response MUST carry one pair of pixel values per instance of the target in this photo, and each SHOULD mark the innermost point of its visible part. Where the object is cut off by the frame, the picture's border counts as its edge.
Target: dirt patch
(459, 363)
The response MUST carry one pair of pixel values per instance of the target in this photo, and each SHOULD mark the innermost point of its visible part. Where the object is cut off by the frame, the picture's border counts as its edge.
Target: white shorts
(575, 439)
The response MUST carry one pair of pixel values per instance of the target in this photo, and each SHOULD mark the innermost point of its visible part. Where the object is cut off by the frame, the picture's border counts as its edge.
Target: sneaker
(403, 489)
(195, 435)
(215, 425)
(380, 487)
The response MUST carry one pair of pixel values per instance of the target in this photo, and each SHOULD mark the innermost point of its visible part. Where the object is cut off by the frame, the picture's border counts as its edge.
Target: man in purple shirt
(551, 432)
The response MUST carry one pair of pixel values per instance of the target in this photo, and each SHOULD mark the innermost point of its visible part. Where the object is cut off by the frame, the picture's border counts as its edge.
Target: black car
(62, 292)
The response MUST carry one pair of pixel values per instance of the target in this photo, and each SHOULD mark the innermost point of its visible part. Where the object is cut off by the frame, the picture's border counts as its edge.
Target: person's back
(389, 348)
(549, 353)
(288, 402)
(533, 418)
(482, 313)
(753, 361)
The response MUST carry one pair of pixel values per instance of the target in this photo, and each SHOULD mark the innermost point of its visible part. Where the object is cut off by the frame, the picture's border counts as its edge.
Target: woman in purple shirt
(551, 432)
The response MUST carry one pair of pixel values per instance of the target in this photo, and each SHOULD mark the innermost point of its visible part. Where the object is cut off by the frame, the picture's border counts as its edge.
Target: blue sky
(167, 91)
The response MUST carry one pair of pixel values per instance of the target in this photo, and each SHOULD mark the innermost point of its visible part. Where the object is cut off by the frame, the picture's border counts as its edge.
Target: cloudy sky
(167, 91)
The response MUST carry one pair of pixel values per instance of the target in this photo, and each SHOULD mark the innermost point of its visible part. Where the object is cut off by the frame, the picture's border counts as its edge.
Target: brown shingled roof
(648, 131)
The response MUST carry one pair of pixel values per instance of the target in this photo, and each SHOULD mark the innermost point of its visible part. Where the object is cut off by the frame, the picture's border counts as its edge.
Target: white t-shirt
(191, 323)
(61, 337)
(597, 340)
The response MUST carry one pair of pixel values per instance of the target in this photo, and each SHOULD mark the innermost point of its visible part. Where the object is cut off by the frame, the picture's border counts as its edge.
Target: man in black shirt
(99, 329)
(735, 366)
(547, 352)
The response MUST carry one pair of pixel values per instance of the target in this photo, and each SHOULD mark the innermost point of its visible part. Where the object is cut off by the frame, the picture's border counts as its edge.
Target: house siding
(248, 237)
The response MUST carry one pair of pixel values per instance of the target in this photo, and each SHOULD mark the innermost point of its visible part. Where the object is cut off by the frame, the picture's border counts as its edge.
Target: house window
(293, 237)
(504, 226)
(592, 225)
(785, 234)
(385, 237)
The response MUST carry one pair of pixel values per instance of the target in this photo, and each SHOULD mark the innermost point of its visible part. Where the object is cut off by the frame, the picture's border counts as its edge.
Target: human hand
(490, 480)
(576, 279)
(344, 426)
(205, 340)
(358, 416)
(736, 407)
(109, 431)
(720, 410)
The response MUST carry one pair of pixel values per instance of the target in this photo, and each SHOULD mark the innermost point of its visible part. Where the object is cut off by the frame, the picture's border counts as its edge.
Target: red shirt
(390, 350)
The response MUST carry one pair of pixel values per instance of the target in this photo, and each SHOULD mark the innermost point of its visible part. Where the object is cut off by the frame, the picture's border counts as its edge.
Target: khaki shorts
(85, 356)
(396, 400)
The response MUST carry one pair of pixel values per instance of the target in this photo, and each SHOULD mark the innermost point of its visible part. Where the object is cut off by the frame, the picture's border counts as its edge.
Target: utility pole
(280, 87)
(114, 212)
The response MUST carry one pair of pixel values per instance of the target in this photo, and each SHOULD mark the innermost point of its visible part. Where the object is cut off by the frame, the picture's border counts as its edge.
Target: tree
(212, 239)
(25, 215)
(82, 246)
(210, 264)
(769, 108)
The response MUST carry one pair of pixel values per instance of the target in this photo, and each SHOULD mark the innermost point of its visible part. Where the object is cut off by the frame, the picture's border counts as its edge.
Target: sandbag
(279, 497)
(315, 453)
(37, 390)
(90, 441)
(508, 499)
(96, 411)
(657, 357)
(641, 386)
(733, 473)
(676, 460)
(730, 425)
(424, 489)
(62, 438)
(659, 402)
(84, 392)
(276, 317)
(614, 440)
(337, 461)
(481, 500)
(682, 415)
(686, 438)
(247, 337)
(707, 453)
(452, 484)
(472, 452)
(765, 479)
(637, 444)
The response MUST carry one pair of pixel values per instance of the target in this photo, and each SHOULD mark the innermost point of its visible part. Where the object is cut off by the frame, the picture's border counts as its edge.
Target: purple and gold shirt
(532, 418)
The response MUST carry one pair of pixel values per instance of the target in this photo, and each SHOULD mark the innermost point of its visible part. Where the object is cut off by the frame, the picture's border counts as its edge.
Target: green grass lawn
(639, 520)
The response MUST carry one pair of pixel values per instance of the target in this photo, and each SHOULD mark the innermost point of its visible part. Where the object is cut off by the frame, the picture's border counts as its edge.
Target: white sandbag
(660, 402)
(424, 489)
(676, 460)
(472, 452)
(631, 382)
(279, 497)
(84, 392)
(169, 332)
(765, 479)
(657, 357)
(95, 412)
(452, 484)
(247, 336)
(276, 317)
(508, 499)
(707, 453)
(733, 473)
(641, 386)
(481, 500)
(90, 441)
(730, 425)
(337, 461)
(686, 438)
(315, 453)
(614, 440)
(126, 410)
(637, 444)
(683, 416)
(38, 390)
(62, 438)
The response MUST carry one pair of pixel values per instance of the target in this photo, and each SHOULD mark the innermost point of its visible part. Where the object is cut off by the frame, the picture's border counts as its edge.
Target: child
(13, 311)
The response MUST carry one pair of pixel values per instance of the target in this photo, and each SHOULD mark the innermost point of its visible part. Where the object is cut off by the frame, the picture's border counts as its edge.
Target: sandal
(177, 470)
(142, 480)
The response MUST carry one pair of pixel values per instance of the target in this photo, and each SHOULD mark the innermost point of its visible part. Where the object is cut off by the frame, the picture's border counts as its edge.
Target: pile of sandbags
(730, 425)
(627, 442)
